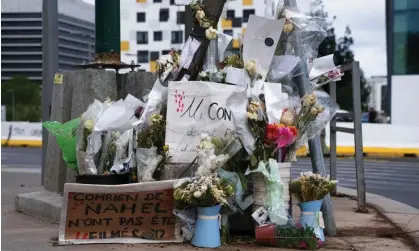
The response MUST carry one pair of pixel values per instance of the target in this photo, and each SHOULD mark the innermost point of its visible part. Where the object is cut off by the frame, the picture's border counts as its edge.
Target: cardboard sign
(194, 108)
(134, 213)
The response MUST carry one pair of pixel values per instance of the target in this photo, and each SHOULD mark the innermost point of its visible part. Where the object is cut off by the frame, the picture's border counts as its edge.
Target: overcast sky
(366, 18)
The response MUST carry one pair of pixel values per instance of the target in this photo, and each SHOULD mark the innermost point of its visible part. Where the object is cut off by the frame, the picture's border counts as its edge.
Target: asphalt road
(397, 179)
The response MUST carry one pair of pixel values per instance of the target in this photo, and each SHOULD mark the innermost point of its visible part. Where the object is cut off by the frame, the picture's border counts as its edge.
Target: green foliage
(341, 48)
(296, 237)
(27, 95)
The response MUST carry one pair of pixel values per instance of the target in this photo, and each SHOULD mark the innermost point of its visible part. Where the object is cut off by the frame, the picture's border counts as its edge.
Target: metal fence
(356, 131)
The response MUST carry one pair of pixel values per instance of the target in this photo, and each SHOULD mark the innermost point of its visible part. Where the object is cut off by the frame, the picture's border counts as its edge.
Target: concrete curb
(402, 215)
(42, 204)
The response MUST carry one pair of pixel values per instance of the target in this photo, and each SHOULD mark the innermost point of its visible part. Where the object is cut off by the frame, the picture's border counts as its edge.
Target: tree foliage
(341, 48)
(27, 97)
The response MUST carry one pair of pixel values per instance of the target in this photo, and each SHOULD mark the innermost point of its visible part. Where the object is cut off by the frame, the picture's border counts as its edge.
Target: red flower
(293, 130)
(272, 132)
(303, 245)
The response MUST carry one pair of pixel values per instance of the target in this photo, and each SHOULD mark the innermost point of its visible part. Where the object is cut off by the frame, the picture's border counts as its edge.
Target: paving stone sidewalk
(356, 231)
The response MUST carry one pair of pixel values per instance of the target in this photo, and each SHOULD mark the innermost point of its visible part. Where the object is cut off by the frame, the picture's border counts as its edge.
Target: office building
(21, 36)
(150, 28)
(402, 17)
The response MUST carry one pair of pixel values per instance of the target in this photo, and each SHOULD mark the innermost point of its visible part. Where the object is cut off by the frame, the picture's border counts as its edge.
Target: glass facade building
(402, 25)
(21, 37)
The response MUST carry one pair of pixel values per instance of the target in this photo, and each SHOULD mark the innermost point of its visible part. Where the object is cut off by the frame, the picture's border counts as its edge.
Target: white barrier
(377, 138)
(21, 134)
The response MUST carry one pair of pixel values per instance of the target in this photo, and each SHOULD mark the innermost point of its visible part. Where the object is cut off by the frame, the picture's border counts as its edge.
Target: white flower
(206, 145)
(200, 14)
(252, 115)
(211, 33)
(251, 67)
(197, 194)
(314, 111)
(88, 124)
(116, 134)
(203, 74)
(204, 188)
(204, 136)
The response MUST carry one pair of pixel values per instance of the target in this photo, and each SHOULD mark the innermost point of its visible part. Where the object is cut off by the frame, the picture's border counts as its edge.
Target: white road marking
(20, 170)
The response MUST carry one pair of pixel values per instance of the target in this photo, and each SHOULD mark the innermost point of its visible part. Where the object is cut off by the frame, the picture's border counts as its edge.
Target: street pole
(108, 28)
(315, 147)
(49, 66)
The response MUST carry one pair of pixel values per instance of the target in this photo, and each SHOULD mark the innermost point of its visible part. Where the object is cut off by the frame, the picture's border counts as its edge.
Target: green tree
(341, 48)
(27, 97)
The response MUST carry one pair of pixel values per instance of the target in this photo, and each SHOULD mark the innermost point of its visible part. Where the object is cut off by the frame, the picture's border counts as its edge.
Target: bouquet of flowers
(152, 153)
(311, 187)
(204, 191)
(269, 137)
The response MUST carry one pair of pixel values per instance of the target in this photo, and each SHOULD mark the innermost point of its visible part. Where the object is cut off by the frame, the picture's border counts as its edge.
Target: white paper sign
(196, 107)
(237, 76)
(260, 41)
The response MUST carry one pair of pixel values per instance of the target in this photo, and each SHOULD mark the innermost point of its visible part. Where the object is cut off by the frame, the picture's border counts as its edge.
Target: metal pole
(359, 151)
(108, 28)
(49, 66)
(333, 145)
(315, 147)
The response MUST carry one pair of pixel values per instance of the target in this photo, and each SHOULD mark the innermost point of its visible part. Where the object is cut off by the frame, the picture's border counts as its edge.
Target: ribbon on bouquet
(319, 218)
(274, 201)
(212, 217)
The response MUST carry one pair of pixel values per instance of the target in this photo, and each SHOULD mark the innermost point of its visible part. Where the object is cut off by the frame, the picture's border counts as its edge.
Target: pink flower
(286, 137)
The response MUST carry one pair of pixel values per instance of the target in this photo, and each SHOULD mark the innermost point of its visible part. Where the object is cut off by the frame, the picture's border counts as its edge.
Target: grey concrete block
(137, 84)
(55, 169)
(42, 204)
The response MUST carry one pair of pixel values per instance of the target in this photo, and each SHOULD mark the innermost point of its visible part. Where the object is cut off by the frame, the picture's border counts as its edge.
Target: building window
(157, 1)
(142, 37)
(164, 15)
(230, 14)
(177, 37)
(141, 17)
(165, 52)
(237, 22)
(154, 55)
(246, 14)
(142, 56)
(158, 36)
(405, 41)
(228, 32)
(180, 18)
(172, 2)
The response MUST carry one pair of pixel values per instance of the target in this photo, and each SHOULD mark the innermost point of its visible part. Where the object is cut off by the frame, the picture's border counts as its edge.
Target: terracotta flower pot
(266, 235)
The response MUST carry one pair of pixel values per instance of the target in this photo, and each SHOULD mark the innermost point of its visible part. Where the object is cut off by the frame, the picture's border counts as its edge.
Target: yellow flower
(156, 118)
(165, 148)
(288, 27)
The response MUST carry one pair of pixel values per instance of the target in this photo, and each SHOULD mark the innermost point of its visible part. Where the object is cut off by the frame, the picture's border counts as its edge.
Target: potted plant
(310, 189)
